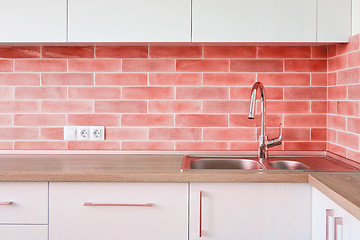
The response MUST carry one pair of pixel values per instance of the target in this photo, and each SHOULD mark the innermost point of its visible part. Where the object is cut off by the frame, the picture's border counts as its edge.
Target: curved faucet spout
(258, 85)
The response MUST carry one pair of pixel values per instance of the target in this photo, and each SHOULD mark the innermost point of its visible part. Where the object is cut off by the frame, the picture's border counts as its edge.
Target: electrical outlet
(84, 133)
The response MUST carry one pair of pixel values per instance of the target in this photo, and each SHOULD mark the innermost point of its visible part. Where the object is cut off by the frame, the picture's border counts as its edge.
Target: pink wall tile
(120, 106)
(20, 79)
(165, 106)
(40, 65)
(305, 93)
(226, 106)
(94, 92)
(319, 52)
(284, 79)
(201, 146)
(284, 52)
(136, 120)
(94, 65)
(175, 51)
(120, 79)
(148, 93)
(121, 51)
(172, 134)
(126, 134)
(40, 93)
(55, 133)
(348, 76)
(146, 145)
(40, 145)
(6, 66)
(19, 52)
(230, 52)
(177, 79)
(202, 93)
(19, 133)
(354, 59)
(229, 79)
(67, 79)
(201, 120)
(67, 52)
(148, 65)
(305, 65)
(202, 65)
(256, 65)
(19, 106)
(39, 119)
(108, 145)
(319, 79)
(111, 120)
(66, 106)
(225, 134)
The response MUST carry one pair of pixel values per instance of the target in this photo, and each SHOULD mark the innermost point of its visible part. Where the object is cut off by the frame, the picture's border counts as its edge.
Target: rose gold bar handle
(200, 223)
(90, 204)
(338, 230)
(330, 213)
(6, 203)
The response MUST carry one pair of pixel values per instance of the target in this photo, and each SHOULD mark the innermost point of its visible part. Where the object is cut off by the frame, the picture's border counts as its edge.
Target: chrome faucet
(264, 143)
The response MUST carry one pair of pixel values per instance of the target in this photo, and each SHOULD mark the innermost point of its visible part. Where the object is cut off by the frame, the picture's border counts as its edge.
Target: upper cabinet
(334, 20)
(33, 21)
(254, 21)
(175, 21)
(130, 21)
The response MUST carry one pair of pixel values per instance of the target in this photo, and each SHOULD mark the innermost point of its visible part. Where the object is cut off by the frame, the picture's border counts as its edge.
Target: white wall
(355, 17)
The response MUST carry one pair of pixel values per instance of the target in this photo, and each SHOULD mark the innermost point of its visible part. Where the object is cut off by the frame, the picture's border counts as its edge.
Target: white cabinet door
(24, 232)
(251, 211)
(33, 21)
(334, 20)
(23, 203)
(130, 21)
(321, 203)
(118, 211)
(254, 21)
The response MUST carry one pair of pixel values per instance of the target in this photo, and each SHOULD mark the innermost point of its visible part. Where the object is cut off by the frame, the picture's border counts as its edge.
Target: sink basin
(225, 163)
(288, 165)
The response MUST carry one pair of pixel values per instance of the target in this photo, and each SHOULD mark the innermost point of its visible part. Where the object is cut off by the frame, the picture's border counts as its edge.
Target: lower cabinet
(24, 232)
(133, 211)
(330, 221)
(251, 211)
(23, 211)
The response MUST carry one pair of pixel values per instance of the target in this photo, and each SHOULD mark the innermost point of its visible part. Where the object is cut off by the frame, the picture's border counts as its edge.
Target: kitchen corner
(181, 119)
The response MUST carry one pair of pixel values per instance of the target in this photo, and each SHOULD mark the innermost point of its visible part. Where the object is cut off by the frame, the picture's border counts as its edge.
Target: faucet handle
(276, 141)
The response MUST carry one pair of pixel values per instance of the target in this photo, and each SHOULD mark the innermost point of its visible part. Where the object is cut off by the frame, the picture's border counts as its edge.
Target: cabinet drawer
(134, 211)
(23, 203)
(23, 232)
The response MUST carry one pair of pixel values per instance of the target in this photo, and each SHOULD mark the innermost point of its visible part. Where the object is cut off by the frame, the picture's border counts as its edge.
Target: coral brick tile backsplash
(344, 100)
(180, 97)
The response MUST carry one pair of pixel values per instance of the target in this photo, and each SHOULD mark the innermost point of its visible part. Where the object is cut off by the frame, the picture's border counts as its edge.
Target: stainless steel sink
(225, 163)
(288, 165)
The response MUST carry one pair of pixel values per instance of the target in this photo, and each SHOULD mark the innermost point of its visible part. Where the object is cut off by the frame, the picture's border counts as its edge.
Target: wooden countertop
(343, 188)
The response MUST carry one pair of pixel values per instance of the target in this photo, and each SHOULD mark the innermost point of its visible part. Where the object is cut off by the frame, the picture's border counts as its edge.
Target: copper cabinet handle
(6, 203)
(200, 223)
(330, 218)
(90, 204)
(338, 229)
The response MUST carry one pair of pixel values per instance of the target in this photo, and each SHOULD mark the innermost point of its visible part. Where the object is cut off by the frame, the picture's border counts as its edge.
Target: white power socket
(84, 133)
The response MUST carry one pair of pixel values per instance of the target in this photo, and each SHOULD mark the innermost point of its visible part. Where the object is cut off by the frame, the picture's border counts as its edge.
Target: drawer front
(23, 203)
(23, 232)
(133, 211)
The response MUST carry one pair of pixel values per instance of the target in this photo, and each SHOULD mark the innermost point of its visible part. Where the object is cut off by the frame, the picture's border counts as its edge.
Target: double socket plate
(84, 133)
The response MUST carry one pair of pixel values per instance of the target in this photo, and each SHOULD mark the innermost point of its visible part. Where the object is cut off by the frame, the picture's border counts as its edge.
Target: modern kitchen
(180, 119)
